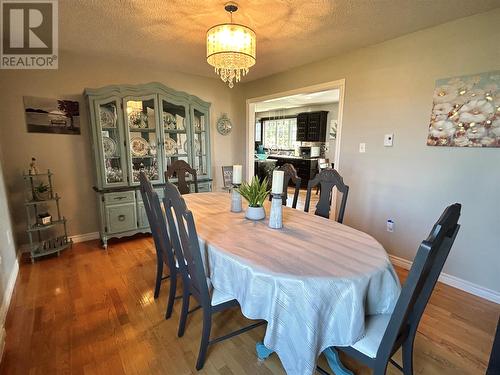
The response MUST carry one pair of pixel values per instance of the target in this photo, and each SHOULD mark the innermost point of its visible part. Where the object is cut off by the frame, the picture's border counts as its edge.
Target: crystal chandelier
(231, 48)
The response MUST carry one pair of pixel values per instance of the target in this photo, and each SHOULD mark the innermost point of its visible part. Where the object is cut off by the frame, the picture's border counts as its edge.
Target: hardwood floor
(92, 311)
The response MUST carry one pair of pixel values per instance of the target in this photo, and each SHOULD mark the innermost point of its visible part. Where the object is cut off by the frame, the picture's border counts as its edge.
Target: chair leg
(171, 294)
(184, 311)
(408, 357)
(317, 189)
(159, 276)
(205, 337)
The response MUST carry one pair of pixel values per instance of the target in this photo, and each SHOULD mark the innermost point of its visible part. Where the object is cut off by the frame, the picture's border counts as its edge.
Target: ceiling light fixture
(231, 48)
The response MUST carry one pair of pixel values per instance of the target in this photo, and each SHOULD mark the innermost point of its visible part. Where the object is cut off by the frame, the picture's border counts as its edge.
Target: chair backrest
(422, 278)
(227, 175)
(323, 164)
(179, 168)
(328, 179)
(290, 173)
(156, 221)
(185, 242)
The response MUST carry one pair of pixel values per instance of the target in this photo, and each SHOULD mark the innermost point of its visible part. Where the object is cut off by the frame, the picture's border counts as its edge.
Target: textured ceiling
(289, 33)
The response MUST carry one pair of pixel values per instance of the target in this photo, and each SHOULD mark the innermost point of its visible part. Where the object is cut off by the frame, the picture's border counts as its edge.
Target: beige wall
(68, 156)
(7, 253)
(389, 89)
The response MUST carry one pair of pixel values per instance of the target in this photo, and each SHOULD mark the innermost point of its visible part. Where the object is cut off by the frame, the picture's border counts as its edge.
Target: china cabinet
(146, 128)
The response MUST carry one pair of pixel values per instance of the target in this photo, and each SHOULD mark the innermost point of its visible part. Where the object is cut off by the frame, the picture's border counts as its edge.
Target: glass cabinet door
(175, 127)
(110, 140)
(143, 140)
(201, 144)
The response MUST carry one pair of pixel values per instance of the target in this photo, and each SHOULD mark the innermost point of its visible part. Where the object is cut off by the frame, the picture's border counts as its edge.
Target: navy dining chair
(180, 169)
(387, 333)
(195, 281)
(327, 179)
(163, 247)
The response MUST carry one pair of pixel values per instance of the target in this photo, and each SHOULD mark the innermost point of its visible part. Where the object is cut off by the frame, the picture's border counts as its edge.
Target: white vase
(255, 213)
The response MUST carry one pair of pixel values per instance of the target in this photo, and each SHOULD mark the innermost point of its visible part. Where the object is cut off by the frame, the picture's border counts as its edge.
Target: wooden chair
(323, 164)
(195, 281)
(327, 179)
(227, 177)
(164, 251)
(290, 174)
(386, 333)
(180, 168)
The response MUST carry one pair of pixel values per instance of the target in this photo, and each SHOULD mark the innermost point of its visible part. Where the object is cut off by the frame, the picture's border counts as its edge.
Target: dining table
(314, 280)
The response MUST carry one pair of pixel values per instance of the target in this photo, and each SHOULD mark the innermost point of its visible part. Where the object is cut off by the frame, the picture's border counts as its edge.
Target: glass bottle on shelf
(174, 125)
(143, 138)
(110, 143)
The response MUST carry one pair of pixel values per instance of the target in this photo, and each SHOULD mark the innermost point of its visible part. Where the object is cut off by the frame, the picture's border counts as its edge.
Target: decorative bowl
(262, 156)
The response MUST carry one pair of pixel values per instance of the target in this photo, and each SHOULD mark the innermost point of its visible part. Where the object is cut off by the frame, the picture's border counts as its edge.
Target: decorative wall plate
(109, 146)
(224, 125)
(169, 121)
(139, 147)
(170, 147)
(107, 117)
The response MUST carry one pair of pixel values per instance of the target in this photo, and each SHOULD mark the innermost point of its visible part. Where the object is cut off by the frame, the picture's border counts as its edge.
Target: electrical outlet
(390, 225)
(362, 147)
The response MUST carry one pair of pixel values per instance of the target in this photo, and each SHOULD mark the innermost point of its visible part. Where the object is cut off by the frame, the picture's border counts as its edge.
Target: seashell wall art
(466, 111)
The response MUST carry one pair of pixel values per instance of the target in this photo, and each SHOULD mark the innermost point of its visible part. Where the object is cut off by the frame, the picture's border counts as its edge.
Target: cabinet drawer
(204, 187)
(119, 197)
(121, 217)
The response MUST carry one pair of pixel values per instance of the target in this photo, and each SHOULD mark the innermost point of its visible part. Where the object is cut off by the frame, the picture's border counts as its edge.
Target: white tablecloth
(313, 281)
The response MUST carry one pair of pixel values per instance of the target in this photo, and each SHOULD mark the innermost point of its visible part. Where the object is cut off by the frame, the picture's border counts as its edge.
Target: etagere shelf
(44, 238)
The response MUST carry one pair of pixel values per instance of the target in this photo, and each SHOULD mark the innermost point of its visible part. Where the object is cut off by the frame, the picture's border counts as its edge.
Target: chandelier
(231, 48)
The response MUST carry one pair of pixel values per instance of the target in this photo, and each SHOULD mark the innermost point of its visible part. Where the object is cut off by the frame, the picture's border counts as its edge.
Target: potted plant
(41, 192)
(255, 193)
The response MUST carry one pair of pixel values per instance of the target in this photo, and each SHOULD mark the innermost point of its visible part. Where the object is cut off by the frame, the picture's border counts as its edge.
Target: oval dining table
(313, 281)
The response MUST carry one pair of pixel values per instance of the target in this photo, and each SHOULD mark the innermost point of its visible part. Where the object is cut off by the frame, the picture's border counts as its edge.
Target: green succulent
(42, 188)
(254, 192)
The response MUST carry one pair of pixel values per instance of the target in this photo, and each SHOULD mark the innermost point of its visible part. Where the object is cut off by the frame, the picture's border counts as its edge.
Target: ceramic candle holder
(235, 199)
(276, 215)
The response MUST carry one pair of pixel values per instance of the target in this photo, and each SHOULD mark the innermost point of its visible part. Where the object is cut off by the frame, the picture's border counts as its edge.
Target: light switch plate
(362, 147)
(388, 140)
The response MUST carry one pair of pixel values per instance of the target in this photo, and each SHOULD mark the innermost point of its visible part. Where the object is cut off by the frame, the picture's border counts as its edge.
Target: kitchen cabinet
(306, 168)
(311, 126)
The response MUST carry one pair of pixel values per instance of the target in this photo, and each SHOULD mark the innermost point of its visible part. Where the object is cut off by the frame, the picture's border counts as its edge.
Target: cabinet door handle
(121, 217)
(119, 198)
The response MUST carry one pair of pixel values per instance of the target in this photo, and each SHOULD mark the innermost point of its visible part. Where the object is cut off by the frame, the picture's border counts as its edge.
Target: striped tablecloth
(313, 281)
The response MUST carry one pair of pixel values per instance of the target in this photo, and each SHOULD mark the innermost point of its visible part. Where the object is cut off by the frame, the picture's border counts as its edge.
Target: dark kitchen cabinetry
(306, 168)
(311, 126)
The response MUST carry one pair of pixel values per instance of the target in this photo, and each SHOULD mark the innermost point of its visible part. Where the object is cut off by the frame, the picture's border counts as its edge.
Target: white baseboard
(85, 237)
(6, 303)
(455, 282)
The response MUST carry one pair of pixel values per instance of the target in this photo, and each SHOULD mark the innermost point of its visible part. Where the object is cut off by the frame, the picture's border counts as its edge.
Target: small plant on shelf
(41, 192)
(255, 193)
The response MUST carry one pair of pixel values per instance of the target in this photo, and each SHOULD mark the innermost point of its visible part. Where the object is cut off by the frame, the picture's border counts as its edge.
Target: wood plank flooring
(92, 311)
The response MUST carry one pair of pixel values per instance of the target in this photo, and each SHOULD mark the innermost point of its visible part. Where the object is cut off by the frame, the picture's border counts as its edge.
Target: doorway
(272, 125)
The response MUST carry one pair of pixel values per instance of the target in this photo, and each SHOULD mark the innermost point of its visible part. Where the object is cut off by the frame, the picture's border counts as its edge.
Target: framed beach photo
(56, 116)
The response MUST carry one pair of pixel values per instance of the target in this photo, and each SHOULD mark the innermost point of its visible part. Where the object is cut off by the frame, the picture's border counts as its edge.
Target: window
(280, 133)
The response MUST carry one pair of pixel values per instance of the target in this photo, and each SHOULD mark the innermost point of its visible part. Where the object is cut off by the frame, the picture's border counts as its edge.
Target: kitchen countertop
(291, 157)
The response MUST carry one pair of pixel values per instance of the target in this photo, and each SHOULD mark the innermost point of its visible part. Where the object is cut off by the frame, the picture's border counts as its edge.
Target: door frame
(250, 124)
(250, 119)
